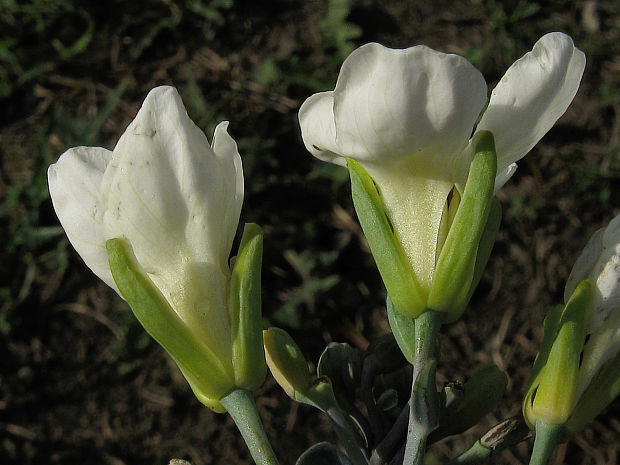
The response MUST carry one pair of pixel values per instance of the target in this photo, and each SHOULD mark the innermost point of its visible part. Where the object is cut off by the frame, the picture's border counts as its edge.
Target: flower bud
(600, 263)
(552, 393)
(599, 373)
(286, 362)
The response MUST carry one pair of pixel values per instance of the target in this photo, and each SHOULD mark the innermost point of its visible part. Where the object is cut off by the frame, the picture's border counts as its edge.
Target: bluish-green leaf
(323, 453)
(478, 397)
(342, 364)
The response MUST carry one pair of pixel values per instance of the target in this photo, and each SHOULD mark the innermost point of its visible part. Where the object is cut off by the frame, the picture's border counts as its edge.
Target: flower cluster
(426, 149)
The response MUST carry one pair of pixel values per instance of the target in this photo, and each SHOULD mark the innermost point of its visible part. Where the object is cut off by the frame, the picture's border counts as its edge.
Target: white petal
(318, 129)
(165, 175)
(230, 198)
(168, 193)
(535, 91)
(74, 182)
(415, 206)
(585, 263)
(602, 346)
(504, 175)
(607, 275)
(416, 106)
(600, 263)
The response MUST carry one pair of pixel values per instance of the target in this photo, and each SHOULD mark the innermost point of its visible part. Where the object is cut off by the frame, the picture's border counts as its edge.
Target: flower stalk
(242, 408)
(424, 401)
(547, 438)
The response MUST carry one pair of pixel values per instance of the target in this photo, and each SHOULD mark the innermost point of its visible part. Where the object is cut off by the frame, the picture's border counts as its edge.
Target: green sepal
(194, 384)
(478, 397)
(403, 329)
(601, 392)
(205, 373)
(447, 217)
(286, 361)
(244, 306)
(557, 380)
(487, 241)
(550, 328)
(455, 269)
(391, 260)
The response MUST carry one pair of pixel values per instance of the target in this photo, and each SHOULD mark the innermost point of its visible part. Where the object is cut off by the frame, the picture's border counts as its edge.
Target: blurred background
(80, 381)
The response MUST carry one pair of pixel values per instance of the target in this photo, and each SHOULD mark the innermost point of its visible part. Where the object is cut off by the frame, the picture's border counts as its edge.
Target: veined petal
(504, 175)
(74, 183)
(535, 91)
(163, 176)
(318, 129)
(602, 346)
(414, 206)
(414, 106)
(167, 193)
(585, 263)
(230, 198)
(600, 262)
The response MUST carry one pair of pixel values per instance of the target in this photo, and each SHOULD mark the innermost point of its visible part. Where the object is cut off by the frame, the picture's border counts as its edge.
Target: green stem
(344, 429)
(393, 440)
(423, 403)
(476, 454)
(503, 435)
(240, 404)
(547, 437)
(321, 396)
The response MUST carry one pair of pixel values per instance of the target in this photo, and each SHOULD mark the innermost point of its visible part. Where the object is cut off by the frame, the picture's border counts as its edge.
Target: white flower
(600, 263)
(173, 196)
(408, 117)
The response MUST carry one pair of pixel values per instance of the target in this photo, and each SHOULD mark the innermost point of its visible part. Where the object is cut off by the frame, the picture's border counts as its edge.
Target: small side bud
(557, 381)
(286, 361)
